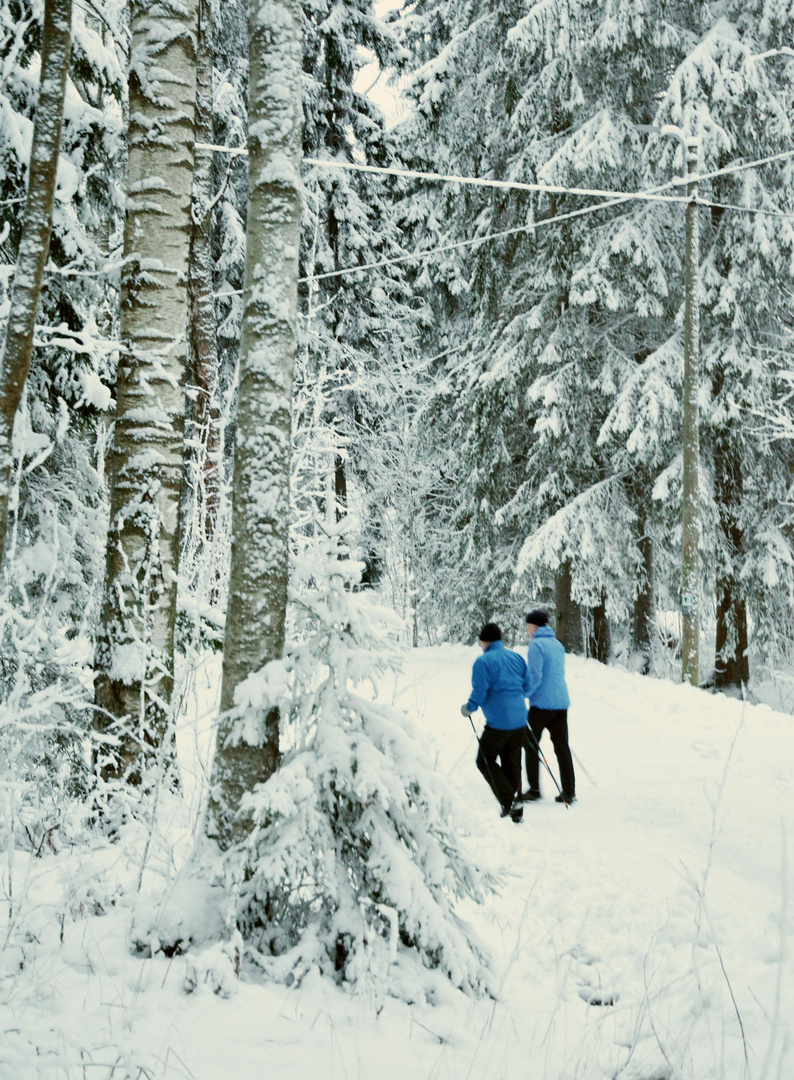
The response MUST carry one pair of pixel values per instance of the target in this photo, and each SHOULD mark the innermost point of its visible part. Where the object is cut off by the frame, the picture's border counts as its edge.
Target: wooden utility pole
(690, 516)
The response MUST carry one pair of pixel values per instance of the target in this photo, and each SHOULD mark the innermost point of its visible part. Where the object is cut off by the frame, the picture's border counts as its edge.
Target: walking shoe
(517, 811)
(567, 799)
(530, 796)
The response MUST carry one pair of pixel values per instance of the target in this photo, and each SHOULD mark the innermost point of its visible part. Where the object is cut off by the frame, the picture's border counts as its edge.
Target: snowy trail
(614, 906)
(600, 903)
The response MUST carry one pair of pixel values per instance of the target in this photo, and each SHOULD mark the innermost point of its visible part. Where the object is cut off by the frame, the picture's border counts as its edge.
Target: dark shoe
(530, 796)
(567, 799)
(517, 811)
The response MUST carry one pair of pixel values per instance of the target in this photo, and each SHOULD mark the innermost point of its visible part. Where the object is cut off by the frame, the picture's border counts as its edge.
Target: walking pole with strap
(542, 757)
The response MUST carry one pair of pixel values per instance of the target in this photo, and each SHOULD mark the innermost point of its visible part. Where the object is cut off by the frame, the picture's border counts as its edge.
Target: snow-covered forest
(332, 331)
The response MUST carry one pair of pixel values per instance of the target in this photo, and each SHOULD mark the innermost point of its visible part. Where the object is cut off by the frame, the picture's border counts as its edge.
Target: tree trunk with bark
(34, 244)
(731, 663)
(340, 486)
(601, 637)
(203, 449)
(569, 613)
(135, 645)
(255, 621)
(642, 630)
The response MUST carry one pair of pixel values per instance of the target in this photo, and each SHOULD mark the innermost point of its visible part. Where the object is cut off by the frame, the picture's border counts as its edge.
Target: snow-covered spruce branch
(572, 529)
(351, 861)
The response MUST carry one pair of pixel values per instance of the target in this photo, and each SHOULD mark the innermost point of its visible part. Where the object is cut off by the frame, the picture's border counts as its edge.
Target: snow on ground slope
(644, 933)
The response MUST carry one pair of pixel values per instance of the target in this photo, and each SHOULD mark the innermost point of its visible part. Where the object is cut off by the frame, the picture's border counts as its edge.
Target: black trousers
(499, 760)
(555, 721)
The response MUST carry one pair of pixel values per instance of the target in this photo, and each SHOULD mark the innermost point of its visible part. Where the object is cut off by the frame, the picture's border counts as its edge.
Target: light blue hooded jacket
(546, 665)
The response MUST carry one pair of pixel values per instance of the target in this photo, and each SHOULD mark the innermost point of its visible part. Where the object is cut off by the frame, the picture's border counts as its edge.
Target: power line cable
(422, 255)
(505, 185)
(746, 209)
(741, 166)
(516, 185)
(614, 199)
(471, 242)
(650, 195)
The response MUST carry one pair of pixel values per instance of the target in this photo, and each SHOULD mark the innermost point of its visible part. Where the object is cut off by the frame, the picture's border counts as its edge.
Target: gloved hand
(464, 711)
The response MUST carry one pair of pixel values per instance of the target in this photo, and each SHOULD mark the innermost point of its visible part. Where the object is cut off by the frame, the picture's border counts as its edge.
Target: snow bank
(642, 933)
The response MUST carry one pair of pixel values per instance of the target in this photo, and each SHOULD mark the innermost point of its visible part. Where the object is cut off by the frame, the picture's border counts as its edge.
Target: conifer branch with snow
(355, 862)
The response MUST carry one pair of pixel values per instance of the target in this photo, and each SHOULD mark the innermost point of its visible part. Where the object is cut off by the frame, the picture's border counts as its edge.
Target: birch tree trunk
(135, 645)
(34, 245)
(260, 507)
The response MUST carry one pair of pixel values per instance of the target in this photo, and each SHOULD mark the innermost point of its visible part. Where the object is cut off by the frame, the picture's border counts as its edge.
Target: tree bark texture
(203, 450)
(731, 662)
(135, 646)
(569, 614)
(255, 621)
(601, 640)
(340, 486)
(645, 603)
(34, 244)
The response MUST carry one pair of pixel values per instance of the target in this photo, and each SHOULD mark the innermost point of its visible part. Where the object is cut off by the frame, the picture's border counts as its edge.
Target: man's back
(546, 664)
(499, 687)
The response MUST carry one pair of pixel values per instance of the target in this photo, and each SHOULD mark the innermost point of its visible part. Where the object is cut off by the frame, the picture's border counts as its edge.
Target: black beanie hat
(490, 632)
(538, 618)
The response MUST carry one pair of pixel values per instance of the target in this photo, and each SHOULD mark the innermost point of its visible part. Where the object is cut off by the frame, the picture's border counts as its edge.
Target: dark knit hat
(490, 632)
(537, 618)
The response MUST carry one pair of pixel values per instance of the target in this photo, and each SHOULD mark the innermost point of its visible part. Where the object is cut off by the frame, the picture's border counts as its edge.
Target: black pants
(555, 721)
(504, 774)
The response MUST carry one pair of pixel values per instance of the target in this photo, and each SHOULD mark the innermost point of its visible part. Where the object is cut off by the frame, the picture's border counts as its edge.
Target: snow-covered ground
(644, 933)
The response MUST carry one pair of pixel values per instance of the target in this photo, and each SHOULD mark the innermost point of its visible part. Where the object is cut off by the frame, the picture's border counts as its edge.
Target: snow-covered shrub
(52, 564)
(54, 553)
(355, 862)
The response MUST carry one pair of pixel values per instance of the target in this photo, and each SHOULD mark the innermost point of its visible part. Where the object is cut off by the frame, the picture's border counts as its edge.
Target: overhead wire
(650, 194)
(506, 185)
(612, 198)
(443, 248)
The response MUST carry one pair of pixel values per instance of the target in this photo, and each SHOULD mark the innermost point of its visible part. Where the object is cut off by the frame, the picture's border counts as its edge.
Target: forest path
(689, 795)
(629, 931)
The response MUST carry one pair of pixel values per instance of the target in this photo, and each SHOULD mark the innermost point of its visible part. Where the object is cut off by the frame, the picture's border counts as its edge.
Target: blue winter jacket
(546, 664)
(499, 686)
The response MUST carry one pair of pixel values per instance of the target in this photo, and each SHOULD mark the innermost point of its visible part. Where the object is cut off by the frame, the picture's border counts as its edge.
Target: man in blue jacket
(499, 687)
(548, 706)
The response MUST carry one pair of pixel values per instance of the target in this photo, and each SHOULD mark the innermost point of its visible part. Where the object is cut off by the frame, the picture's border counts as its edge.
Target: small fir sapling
(355, 862)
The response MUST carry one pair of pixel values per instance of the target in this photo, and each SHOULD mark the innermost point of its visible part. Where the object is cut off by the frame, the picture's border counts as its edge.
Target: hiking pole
(542, 757)
(580, 766)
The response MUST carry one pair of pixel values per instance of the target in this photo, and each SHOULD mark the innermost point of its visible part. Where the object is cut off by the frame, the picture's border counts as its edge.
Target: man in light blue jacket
(499, 687)
(548, 706)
